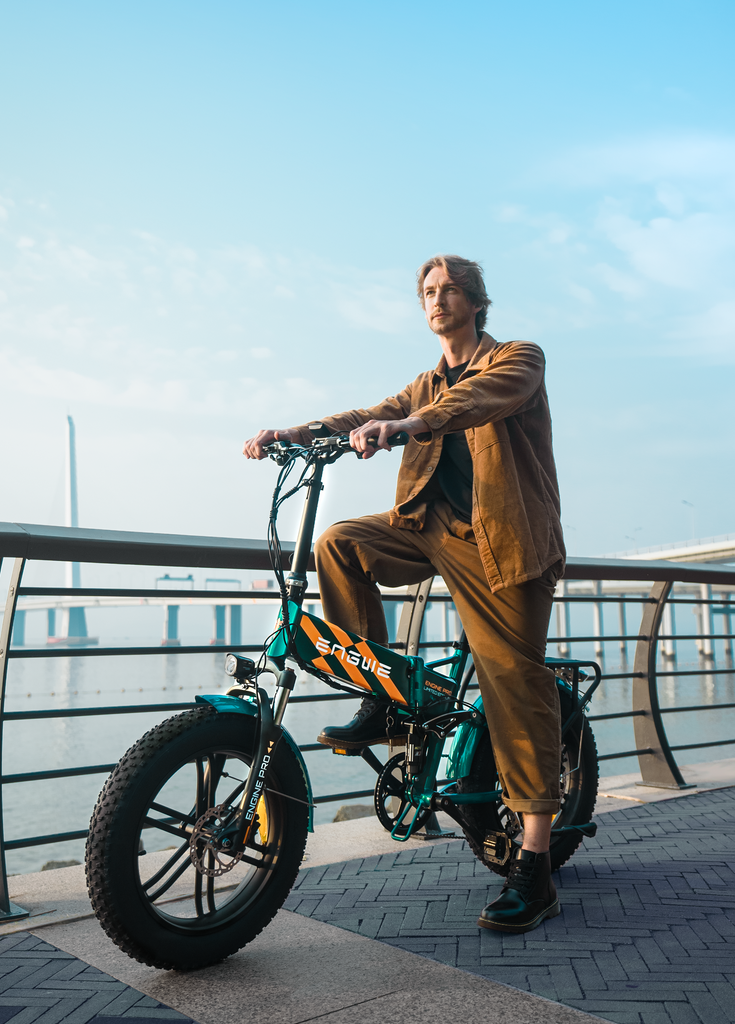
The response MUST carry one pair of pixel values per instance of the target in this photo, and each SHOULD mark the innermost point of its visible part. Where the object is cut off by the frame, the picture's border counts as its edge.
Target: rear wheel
(579, 778)
(150, 896)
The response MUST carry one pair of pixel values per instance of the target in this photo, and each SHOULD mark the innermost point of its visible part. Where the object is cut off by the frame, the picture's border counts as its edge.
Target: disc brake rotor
(205, 851)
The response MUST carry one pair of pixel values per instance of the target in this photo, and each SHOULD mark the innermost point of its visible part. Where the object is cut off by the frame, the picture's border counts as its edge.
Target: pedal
(344, 752)
(497, 848)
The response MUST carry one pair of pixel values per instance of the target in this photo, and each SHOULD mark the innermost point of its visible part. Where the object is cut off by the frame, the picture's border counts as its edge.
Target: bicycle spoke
(394, 787)
(164, 826)
(201, 803)
(169, 864)
(198, 894)
(210, 884)
(170, 881)
(212, 776)
(173, 815)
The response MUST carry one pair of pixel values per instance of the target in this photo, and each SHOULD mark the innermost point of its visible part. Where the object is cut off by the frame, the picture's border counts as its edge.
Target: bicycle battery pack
(352, 659)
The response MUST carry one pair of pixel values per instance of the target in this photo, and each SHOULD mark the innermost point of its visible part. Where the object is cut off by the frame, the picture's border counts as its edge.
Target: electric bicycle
(227, 786)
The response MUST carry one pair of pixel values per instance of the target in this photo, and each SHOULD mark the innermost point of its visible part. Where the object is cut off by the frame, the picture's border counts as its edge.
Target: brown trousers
(506, 632)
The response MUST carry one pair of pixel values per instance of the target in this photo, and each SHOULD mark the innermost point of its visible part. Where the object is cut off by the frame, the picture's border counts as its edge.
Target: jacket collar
(481, 357)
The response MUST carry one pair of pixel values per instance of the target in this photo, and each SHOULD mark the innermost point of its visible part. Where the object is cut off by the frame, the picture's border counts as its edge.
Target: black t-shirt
(454, 471)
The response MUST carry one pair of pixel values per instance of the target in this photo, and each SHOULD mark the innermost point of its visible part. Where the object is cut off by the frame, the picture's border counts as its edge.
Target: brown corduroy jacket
(500, 402)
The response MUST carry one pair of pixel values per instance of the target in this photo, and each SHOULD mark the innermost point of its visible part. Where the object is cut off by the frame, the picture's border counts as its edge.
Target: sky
(211, 216)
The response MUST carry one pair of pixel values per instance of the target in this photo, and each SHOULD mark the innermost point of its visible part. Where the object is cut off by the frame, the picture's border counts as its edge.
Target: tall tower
(70, 626)
(77, 624)
(73, 573)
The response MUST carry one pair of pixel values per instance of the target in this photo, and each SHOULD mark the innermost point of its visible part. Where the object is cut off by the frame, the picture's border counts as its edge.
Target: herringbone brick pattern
(646, 934)
(40, 984)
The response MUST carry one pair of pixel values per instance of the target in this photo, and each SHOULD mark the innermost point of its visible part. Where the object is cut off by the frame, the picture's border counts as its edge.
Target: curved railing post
(7, 909)
(408, 634)
(658, 767)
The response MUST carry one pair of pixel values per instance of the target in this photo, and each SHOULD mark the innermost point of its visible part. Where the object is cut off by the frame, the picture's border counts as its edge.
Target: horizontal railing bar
(273, 595)
(306, 748)
(696, 636)
(258, 595)
(695, 672)
(119, 547)
(315, 698)
(622, 675)
(99, 652)
(593, 639)
(600, 599)
(696, 707)
(343, 796)
(59, 773)
(617, 714)
(72, 544)
(117, 709)
(624, 753)
(699, 746)
(632, 638)
(60, 837)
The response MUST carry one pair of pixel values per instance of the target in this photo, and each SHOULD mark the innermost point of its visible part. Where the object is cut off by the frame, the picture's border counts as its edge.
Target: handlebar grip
(395, 440)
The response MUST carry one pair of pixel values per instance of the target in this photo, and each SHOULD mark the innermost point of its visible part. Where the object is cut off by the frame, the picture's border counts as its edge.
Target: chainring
(203, 846)
(391, 786)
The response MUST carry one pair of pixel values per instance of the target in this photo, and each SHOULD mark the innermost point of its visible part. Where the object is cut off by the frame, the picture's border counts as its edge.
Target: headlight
(230, 665)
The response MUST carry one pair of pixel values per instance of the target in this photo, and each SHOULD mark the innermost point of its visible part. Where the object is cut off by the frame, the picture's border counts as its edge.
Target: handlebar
(395, 440)
(330, 448)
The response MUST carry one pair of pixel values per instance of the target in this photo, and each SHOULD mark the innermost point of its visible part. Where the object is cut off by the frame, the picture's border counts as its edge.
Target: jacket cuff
(434, 419)
(305, 436)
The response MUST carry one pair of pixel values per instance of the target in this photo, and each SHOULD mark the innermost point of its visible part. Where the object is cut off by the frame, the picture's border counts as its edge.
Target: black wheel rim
(173, 889)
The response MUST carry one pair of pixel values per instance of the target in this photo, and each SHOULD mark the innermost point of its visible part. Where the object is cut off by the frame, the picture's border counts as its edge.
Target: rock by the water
(51, 865)
(351, 811)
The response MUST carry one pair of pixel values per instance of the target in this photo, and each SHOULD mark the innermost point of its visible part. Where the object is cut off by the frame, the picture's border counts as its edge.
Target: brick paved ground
(43, 985)
(646, 934)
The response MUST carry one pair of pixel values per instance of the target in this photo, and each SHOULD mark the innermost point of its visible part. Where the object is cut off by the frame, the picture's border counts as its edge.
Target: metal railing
(658, 765)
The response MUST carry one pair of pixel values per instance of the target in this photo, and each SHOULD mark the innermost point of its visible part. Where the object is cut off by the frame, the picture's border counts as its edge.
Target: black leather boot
(369, 726)
(528, 896)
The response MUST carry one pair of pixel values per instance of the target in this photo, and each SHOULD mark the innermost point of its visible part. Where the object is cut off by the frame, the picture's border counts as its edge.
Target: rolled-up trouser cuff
(534, 806)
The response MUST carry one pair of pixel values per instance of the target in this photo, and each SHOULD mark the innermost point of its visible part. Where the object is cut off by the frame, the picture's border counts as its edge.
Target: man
(477, 503)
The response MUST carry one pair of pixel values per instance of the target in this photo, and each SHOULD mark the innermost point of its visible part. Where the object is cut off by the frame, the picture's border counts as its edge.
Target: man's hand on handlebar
(382, 430)
(253, 448)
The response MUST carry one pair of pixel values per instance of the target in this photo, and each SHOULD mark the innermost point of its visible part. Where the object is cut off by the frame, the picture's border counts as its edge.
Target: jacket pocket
(411, 452)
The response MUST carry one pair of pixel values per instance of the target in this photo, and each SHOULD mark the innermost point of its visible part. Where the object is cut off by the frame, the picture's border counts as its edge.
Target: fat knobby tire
(117, 896)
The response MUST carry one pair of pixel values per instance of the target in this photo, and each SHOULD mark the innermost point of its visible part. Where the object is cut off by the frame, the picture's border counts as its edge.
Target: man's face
(446, 306)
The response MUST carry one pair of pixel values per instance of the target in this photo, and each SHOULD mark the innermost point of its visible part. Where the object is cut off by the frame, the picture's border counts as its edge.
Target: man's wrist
(415, 425)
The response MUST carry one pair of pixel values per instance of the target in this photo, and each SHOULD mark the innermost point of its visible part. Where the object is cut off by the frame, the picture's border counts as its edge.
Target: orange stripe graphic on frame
(313, 634)
(352, 670)
(388, 685)
(362, 647)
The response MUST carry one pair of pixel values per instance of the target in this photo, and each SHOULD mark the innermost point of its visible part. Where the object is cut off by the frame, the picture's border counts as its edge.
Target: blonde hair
(467, 274)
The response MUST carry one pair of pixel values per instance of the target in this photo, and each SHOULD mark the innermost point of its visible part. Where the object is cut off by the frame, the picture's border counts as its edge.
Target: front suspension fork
(267, 735)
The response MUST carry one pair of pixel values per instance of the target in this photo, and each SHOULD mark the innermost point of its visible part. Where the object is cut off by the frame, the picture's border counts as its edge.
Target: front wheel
(177, 905)
(578, 775)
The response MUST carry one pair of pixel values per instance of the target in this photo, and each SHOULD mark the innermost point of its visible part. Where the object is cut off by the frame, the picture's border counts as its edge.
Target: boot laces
(521, 876)
(366, 709)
